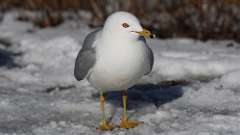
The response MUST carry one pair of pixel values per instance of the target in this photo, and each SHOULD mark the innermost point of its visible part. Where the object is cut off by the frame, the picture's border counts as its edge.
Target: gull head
(124, 24)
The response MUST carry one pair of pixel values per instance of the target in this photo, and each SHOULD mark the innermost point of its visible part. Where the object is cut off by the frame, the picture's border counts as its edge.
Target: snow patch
(231, 80)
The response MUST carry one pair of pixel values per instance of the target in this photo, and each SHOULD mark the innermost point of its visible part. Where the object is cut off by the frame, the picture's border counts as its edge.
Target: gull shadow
(143, 95)
(7, 59)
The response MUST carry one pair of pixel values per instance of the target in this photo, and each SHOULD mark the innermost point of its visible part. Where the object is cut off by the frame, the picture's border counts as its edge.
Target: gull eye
(125, 25)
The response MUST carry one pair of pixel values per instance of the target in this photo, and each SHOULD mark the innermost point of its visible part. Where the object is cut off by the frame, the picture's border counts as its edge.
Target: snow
(193, 88)
(231, 80)
(184, 59)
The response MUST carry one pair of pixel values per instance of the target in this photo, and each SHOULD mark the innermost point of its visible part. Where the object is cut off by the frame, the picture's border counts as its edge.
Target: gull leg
(125, 122)
(104, 125)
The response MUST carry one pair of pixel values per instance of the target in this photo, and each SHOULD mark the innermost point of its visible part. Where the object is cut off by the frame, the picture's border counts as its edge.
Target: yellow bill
(145, 33)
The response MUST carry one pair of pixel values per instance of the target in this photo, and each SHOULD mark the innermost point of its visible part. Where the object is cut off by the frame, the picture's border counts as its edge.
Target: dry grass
(52, 5)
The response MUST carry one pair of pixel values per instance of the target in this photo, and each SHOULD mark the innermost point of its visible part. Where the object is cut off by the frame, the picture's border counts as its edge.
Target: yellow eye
(125, 25)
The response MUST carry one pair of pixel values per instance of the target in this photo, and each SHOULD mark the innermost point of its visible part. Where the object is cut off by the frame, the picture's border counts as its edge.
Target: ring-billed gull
(114, 58)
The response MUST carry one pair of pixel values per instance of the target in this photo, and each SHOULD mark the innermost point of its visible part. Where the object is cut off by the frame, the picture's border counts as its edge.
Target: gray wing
(150, 58)
(86, 57)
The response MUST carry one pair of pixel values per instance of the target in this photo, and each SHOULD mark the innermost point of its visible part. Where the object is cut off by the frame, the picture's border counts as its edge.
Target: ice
(192, 90)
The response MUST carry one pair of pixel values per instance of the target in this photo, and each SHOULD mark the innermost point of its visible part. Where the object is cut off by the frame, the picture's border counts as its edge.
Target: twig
(96, 9)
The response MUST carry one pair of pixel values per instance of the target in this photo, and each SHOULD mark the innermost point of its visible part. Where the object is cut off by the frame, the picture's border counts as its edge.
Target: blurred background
(200, 19)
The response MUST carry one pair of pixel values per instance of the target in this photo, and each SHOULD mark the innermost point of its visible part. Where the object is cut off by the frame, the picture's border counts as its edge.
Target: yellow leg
(104, 125)
(125, 122)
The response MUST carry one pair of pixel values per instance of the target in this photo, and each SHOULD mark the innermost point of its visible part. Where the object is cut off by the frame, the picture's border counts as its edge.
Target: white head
(124, 24)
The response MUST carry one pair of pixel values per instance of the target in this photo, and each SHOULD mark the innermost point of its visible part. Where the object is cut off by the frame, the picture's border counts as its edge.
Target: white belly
(119, 68)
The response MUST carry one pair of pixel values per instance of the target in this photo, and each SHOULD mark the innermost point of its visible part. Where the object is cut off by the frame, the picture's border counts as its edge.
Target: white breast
(119, 65)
